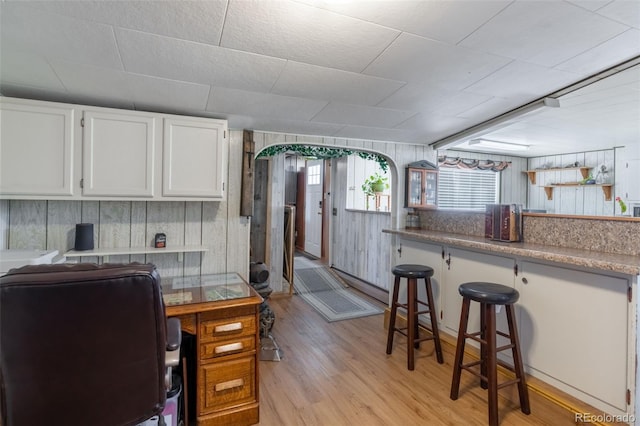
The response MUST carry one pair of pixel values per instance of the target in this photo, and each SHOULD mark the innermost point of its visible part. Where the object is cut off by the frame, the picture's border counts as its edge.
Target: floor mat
(321, 289)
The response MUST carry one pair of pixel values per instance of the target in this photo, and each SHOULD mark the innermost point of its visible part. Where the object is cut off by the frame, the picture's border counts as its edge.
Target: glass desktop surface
(203, 288)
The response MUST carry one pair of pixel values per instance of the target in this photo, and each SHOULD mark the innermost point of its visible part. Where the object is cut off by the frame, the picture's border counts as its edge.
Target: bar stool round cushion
(412, 271)
(490, 293)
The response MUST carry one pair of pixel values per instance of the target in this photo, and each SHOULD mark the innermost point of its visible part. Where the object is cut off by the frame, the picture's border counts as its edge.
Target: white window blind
(467, 189)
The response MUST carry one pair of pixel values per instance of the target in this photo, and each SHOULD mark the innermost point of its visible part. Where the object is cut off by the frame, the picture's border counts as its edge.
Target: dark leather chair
(82, 345)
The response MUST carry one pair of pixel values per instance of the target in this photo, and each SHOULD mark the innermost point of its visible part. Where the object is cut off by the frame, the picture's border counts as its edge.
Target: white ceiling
(402, 71)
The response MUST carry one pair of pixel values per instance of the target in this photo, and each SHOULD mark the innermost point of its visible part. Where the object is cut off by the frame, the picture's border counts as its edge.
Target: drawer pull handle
(228, 348)
(234, 326)
(236, 383)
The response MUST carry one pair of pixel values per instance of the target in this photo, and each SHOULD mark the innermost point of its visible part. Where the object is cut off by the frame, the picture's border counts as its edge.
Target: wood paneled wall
(218, 225)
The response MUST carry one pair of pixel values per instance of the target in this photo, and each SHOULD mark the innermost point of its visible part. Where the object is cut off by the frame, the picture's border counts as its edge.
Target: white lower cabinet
(462, 266)
(414, 252)
(574, 329)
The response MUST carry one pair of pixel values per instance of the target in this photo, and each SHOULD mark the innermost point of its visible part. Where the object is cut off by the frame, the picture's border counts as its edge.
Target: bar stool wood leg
(483, 348)
(523, 392)
(392, 316)
(491, 362)
(457, 364)
(434, 321)
(411, 321)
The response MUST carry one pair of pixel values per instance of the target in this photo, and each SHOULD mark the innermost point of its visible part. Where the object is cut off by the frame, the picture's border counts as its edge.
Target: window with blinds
(467, 189)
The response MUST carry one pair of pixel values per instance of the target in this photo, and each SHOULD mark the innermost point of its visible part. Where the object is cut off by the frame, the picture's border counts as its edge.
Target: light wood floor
(339, 374)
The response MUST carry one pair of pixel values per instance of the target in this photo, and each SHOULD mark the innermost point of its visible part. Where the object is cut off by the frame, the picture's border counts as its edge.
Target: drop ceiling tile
(370, 133)
(37, 93)
(624, 11)
(28, 69)
(591, 5)
(525, 30)
(523, 82)
(93, 82)
(359, 115)
(447, 21)
(57, 36)
(488, 110)
(232, 101)
(419, 60)
(295, 127)
(613, 51)
(312, 81)
(303, 33)
(152, 93)
(165, 57)
(434, 124)
(188, 20)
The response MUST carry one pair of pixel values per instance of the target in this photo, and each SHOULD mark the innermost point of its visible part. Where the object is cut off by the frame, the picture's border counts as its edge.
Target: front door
(313, 208)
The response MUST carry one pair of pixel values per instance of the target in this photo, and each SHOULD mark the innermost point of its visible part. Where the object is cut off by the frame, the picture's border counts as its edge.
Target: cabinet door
(573, 329)
(119, 154)
(423, 254)
(414, 196)
(36, 149)
(631, 181)
(194, 158)
(462, 266)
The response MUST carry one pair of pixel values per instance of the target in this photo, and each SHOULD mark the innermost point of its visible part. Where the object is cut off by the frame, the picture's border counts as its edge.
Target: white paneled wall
(358, 246)
(217, 225)
(572, 200)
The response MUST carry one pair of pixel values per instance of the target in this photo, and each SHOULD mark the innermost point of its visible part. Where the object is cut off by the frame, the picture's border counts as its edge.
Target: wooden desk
(222, 311)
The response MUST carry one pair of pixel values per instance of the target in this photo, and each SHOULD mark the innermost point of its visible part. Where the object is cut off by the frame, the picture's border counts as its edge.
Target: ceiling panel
(447, 21)
(332, 84)
(523, 82)
(420, 60)
(263, 105)
(625, 11)
(304, 33)
(543, 32)
(361, 115)
(93, 82)
(188, 20)
(55, 36)
(151, 93)
(29, 69)
(166, 57)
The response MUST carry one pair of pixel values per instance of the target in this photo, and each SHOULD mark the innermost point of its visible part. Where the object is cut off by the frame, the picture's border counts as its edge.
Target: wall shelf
(584, 171)
(105, 252)
(606, 189)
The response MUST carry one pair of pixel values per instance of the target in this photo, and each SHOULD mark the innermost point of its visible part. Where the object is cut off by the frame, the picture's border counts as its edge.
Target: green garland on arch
(322, 152)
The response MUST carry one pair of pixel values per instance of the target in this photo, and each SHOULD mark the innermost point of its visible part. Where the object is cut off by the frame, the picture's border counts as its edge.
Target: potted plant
(375, 184)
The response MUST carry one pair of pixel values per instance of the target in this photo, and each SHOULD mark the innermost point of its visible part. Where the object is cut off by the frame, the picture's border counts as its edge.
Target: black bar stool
(412, 273)
(489, 295)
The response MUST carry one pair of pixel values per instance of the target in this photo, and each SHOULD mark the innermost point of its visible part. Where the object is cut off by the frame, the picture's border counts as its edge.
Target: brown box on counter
(488, 221)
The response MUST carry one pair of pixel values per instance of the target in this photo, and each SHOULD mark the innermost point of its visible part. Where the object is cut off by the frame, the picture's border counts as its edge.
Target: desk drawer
(228, 384)
(227, 347)
(230, 328)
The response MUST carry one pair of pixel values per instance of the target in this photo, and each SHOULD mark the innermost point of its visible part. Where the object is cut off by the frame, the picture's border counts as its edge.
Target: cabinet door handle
(448, 262)
(235, 383)
(525, 281)
(228, 348)
(234, 326)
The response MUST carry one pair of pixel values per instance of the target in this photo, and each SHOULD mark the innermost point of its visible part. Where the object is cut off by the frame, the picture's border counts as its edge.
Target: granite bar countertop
(620, 263)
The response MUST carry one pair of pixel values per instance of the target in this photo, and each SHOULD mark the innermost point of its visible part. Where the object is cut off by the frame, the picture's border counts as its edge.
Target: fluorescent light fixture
(495, 123)
(502, 146)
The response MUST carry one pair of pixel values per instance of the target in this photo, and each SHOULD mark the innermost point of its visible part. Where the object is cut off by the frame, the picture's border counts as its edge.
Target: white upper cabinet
(119, 151)
(36, 149)
(194, 158)
(116, 154)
